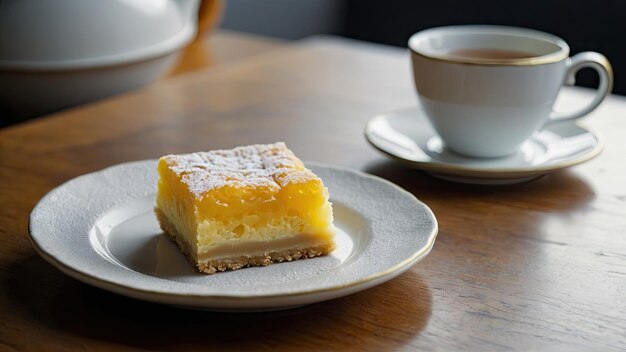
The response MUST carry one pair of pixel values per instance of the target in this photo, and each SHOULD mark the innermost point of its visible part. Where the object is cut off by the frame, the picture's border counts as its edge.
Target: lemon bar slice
(247, 206)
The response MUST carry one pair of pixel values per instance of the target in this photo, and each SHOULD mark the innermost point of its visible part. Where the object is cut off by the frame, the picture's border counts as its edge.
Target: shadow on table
(556, 192)
(505, 227)
(384, 317)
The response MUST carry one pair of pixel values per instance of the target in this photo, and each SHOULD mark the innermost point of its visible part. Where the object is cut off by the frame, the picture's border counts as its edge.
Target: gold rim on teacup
(493, 30)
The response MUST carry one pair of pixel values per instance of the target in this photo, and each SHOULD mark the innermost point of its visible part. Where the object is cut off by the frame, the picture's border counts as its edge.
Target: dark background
(585, 25)
(593, 25)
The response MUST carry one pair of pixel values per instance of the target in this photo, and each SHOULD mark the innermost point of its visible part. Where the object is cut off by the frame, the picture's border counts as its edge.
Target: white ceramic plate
(100, 228)
(407, 136)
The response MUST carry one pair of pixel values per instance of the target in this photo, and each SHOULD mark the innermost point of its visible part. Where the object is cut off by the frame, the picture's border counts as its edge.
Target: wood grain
(210, 50)
(536, 266)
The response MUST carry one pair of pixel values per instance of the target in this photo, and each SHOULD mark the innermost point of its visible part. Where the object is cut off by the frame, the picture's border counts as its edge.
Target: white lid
(66, 34)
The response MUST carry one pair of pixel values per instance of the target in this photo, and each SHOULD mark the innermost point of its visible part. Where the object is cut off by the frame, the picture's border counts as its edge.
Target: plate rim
(152, 294)
(460, 170)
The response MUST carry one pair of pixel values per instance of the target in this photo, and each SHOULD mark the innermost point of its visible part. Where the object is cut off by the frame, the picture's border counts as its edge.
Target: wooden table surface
(223, 47)
(536, 266)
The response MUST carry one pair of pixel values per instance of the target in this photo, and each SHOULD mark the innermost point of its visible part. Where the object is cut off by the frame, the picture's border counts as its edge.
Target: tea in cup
(487, 89)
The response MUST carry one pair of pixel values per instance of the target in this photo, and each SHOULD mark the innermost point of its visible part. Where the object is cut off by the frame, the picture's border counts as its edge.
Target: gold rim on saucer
(474, 172)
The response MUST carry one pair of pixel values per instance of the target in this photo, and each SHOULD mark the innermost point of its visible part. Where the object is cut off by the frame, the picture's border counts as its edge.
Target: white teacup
(486, 89)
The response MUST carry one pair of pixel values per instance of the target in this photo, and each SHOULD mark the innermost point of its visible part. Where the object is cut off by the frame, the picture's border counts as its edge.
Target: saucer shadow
(546, 193)
(382, 318)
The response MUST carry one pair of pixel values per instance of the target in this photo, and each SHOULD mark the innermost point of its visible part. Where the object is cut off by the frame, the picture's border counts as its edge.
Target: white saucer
(100, 228)
(407, 136)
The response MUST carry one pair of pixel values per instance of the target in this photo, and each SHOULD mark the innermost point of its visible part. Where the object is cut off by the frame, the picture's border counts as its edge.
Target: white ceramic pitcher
(60, 53)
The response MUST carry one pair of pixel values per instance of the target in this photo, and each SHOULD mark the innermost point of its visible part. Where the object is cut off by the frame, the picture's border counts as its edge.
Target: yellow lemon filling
(246, 206)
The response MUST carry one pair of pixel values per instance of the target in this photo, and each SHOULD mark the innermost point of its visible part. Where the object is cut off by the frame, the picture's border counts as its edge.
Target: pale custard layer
(246, 202)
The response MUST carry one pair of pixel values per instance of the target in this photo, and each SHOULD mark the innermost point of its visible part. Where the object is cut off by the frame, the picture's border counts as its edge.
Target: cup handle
(599, 63)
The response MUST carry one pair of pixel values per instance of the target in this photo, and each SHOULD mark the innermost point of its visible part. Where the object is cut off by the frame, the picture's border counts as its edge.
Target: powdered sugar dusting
(259, 165)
